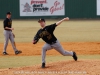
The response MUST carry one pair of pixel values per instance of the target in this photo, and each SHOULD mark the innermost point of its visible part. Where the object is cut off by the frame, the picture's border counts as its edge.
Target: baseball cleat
(18, 52)
(75, 56)
(5, 53)
(43, 65)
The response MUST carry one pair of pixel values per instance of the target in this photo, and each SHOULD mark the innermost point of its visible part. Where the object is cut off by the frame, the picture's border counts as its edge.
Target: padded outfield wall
(72, 8)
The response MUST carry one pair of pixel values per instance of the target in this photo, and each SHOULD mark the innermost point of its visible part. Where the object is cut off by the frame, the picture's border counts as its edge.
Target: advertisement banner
(42, 7)
(98, 7)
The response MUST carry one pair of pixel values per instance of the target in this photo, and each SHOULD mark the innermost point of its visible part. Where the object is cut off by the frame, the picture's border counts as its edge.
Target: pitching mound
(69, 67)
(81, 67)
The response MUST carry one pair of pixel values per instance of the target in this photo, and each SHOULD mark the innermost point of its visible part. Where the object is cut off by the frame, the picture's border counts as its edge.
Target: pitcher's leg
(57, 46)
(44, 49)
(6, 35)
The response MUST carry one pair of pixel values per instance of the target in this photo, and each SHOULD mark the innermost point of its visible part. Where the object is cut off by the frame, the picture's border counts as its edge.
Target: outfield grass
(20, 61)
(69, 31)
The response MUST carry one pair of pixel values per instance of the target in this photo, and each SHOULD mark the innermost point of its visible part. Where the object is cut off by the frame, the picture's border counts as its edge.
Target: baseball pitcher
(46, 33)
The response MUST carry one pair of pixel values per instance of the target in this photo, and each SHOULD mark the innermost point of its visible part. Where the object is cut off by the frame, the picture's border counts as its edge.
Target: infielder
(9, 35)
(46, 33)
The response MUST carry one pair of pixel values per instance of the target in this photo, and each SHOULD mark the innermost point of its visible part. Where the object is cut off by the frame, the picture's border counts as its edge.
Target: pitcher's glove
(35, 41)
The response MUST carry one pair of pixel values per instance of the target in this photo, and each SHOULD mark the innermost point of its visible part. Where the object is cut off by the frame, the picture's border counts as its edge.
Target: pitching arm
(59, 22)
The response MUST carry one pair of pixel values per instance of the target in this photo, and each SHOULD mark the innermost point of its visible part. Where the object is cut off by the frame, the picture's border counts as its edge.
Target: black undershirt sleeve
(36, 38)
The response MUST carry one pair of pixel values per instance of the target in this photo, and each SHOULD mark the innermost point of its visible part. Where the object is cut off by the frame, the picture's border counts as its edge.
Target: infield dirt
(67, 67)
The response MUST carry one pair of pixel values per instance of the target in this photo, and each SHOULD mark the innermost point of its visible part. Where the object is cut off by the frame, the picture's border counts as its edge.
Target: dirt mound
(81, 67)
(30, 49)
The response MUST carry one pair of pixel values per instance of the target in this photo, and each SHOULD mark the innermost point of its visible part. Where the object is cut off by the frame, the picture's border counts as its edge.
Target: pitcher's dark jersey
(46, 34)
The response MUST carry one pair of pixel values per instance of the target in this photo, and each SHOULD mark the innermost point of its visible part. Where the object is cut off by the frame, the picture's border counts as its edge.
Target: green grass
(21, 61)
(69, 31)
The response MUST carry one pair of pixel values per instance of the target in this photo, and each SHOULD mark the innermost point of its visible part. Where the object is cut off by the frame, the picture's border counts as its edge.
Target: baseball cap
(9, 13)
(41, 20)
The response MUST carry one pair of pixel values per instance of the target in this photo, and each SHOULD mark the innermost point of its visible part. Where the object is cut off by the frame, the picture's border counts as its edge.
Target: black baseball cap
(9, 13)
(41, 20)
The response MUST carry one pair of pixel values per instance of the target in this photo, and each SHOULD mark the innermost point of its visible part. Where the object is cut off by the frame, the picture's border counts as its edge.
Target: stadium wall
(73, 9)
